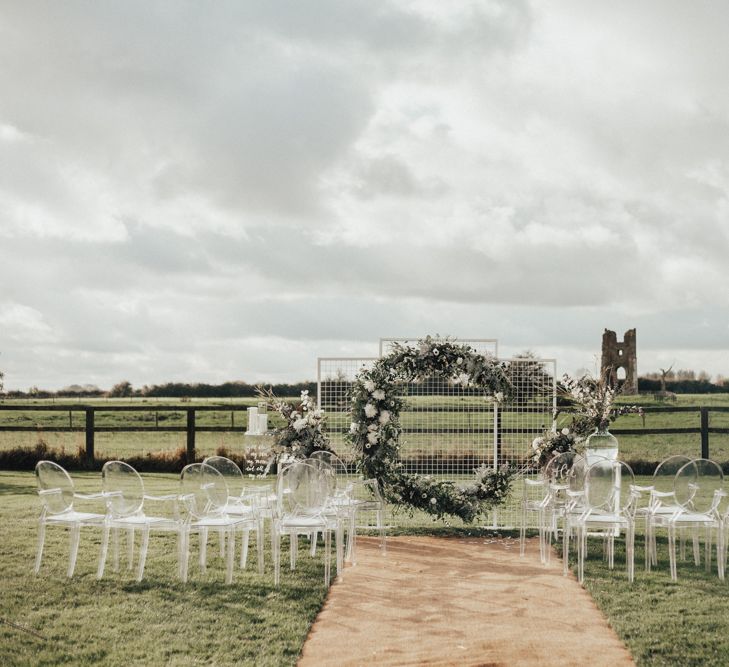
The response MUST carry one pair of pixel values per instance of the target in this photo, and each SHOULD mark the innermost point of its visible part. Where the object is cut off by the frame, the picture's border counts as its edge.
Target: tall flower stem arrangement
(592, 403)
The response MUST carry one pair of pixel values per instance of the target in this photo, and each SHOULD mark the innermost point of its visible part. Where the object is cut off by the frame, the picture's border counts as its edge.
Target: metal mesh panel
(520, 421)
(449, 430)
(335, 376)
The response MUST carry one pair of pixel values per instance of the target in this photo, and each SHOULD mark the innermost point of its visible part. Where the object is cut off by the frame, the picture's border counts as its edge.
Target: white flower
(464, 379)
(536, 443)
(369, 385)
(433, 501)
(372, 437)
(384, 416)
(459, 361)
(378, 394)
(370, 410)
(499, 396)
(436, 352)
(294, 416)
(372, 427)
(299, 424)
(353, 427)
(565, 431)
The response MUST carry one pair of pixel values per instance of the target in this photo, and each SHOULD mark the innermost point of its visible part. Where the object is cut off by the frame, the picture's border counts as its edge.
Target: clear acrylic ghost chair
(609, 508)
(302, 504)
(240, 503)
(125, 498)
(364, 494)
(204, 496)
(57, 495)
(573, 503)
(662, 503)
(545, 497)
(698, 491)
(342, 498)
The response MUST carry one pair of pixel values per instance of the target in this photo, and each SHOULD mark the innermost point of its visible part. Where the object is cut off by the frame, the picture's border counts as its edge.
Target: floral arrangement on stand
(303, 430)
(551, 443)
(592, 403)
(376, 405)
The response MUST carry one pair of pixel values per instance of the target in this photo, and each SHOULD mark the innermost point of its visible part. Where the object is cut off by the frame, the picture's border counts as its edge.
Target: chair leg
(221, 537)
(707, 548)
(41, 542)
(695, 541)
(312, 547)
(203, 557)
(276, 548)
(103, 552)
(630, 552)
(231, 556)
(259, 546)
(383, 531)
(672, 550)
(339, 548)
(75, 538)
(185, 548)
(115, 546)
(565, 547)
(244, 547)
(180, 552)
(352, 538)
(130, 548)
(327, 556)
(293, 552)
(143, 553)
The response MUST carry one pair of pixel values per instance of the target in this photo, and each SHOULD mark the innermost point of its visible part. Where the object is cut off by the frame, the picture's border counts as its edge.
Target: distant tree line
(124, 389)
(651, 385)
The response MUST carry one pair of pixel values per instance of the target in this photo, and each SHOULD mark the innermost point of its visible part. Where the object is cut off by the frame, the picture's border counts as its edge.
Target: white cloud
(229, 193)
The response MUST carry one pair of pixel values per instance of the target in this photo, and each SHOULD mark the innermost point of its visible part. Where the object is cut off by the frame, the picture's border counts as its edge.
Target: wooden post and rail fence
(191, 427)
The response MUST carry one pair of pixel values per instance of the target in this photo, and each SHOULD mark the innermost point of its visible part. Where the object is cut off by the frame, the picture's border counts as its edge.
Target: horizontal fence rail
(191, 427)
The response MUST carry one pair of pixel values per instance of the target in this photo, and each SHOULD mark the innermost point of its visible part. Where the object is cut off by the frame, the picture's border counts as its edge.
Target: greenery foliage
(376, 405)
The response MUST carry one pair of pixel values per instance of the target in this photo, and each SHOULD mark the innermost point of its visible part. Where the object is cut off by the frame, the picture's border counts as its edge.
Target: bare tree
(664, 375)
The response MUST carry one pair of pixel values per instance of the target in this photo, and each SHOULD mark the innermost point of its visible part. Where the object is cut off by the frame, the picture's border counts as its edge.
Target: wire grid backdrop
(449, 430)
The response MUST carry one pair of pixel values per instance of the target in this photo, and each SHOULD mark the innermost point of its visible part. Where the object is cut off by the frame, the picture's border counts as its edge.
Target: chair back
(303, 489)
(608, 486)
(231, 471)
(55, 487)
(665, 472)
(124, 488)
(557, 470)
(696, 484)
(203, 490)
(327, 472)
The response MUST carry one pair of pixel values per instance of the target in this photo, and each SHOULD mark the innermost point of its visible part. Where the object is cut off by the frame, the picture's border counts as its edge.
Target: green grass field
(49, 620)
(446, 414)
(159, 621)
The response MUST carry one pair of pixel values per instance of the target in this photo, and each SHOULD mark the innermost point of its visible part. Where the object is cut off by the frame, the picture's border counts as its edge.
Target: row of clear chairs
(575, 499)
(212, 497)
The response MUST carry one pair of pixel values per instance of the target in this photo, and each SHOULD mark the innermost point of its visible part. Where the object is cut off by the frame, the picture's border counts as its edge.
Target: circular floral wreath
(375, 428)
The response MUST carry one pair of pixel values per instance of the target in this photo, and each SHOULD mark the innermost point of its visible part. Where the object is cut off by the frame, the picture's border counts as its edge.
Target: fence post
(704, 433)
(90, 435)
(190, 435)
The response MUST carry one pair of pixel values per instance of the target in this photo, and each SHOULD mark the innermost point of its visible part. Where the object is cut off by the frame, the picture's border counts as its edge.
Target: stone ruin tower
(620, 355)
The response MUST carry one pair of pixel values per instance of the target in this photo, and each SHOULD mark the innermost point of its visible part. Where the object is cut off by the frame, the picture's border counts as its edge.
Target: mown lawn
(160, 621)
(684, 623)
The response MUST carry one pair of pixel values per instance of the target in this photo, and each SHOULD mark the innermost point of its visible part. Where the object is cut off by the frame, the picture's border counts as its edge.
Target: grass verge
(50, 620)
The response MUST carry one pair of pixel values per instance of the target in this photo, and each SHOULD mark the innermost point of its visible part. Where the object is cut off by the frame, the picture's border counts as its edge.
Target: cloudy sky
(212, 191)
